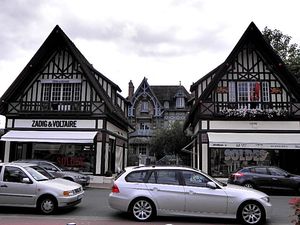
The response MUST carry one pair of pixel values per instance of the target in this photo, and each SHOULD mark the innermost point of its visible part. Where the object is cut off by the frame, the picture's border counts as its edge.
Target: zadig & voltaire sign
(54, 123)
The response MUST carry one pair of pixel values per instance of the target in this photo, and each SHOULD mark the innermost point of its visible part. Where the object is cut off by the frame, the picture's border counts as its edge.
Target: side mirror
(211, 185)
(26, 180)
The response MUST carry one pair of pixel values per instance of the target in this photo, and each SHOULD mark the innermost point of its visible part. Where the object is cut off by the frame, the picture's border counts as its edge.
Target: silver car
(59, 171)
(160, 190)
(27, 185)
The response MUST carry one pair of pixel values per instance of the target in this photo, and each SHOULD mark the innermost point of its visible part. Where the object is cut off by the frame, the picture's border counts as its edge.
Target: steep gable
(47, 54)
(255, 38)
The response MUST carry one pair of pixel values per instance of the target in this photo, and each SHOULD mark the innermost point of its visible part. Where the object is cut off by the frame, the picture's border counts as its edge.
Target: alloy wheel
(251, 214)
(142, 210)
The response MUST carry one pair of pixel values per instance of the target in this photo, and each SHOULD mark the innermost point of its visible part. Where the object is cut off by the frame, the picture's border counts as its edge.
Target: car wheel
(142, 209)
(251, 213)
(47, 205)
(248, 185)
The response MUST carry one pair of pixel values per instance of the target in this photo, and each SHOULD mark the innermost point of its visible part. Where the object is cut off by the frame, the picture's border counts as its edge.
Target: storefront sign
(245, 155)
(55, 123)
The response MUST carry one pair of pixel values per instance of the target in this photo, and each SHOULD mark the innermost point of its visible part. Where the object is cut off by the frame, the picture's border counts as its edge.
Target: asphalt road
(94, 210)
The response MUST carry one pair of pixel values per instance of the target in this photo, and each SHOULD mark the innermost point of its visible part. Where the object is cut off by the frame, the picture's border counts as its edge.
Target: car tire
(251, 213)
(248, 185)
(47, 205)
(142, 209)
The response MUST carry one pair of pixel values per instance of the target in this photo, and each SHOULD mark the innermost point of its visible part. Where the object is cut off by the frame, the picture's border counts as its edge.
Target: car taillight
(115, 189)
(238, 174)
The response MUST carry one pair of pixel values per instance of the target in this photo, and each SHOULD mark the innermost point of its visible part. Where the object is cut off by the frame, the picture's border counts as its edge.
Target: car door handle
(4, 185)
(274, 178)
(191, 192)
(154, 189)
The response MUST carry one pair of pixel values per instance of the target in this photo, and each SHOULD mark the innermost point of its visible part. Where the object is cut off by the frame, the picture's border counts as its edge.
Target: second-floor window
(248, 93)
(145, 106)
(61, 92)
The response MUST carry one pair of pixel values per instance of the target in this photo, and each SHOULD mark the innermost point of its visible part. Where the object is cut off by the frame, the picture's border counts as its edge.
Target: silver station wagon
(160, 190)
(27, 185)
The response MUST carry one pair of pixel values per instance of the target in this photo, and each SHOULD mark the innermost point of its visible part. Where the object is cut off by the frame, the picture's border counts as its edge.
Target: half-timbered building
(153, 107)
(246, 111)
(60, 108)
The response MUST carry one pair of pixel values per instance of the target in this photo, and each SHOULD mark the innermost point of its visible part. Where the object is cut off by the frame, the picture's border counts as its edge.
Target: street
(94, 210)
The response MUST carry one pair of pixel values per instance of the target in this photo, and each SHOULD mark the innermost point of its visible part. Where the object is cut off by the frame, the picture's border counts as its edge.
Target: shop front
(83, 147)
(231, 151)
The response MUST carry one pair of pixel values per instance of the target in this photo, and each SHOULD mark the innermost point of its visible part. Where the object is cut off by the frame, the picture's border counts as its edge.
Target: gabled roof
(58, 39)
(253, 35)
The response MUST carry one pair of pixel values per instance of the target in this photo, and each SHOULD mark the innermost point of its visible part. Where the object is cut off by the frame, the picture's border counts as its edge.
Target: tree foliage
(169, 141)
(289, 53)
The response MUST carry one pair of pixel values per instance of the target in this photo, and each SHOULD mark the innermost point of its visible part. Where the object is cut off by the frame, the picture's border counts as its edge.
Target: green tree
(289, 53)
(169, 141)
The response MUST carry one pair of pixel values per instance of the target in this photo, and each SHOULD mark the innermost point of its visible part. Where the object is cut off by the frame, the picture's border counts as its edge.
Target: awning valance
(254, 140)
(50, 136)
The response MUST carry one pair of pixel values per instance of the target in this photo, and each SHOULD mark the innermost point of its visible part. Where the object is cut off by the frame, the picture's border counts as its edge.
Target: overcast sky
(167, 41)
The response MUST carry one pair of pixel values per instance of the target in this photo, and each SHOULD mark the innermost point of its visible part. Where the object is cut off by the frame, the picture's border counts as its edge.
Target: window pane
(67, 92)
(167, 177)
(138, 176)
(194, 179)
(56, 89)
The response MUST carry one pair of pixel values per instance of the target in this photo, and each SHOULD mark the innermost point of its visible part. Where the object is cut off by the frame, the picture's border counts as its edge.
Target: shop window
(70, 156)
(225, 161)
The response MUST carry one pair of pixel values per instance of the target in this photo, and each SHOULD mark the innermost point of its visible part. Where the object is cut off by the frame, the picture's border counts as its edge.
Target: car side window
(261, 170)
(136, 176)
(164, 177)
(276, 172)
(13, 174)
(192, 178)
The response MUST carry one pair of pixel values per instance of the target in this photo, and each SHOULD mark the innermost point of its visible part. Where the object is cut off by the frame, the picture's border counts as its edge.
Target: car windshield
(38, 173)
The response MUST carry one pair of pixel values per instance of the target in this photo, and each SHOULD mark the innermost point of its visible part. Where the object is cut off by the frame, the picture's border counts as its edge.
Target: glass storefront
(225, 161)
(77, 157)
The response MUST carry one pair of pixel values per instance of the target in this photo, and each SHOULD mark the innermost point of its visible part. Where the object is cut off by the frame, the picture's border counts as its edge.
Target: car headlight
(68, 193)
(266, 199)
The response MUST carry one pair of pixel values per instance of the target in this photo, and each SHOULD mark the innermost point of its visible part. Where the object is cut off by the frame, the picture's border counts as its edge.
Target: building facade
(62, 109)
(246, 111)
(152, 108)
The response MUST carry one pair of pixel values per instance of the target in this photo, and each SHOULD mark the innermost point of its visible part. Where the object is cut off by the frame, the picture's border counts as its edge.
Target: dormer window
(180, 102)
(180, 99)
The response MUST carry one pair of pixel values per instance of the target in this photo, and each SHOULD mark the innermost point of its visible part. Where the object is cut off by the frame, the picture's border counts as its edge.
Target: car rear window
(136, 176)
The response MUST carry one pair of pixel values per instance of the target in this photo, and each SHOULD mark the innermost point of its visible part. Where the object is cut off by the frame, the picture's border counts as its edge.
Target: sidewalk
(100, 185)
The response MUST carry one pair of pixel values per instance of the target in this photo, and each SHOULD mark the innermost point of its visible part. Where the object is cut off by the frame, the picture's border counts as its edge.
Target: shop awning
(254, 140)
(50, 136)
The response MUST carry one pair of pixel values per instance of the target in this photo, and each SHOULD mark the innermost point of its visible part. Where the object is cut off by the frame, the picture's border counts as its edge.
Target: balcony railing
(250, 110)
(54, 107)
(141, 133)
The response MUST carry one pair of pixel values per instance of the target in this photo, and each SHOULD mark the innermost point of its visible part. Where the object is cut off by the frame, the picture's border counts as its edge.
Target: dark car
(266, 178)
(58, 171)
